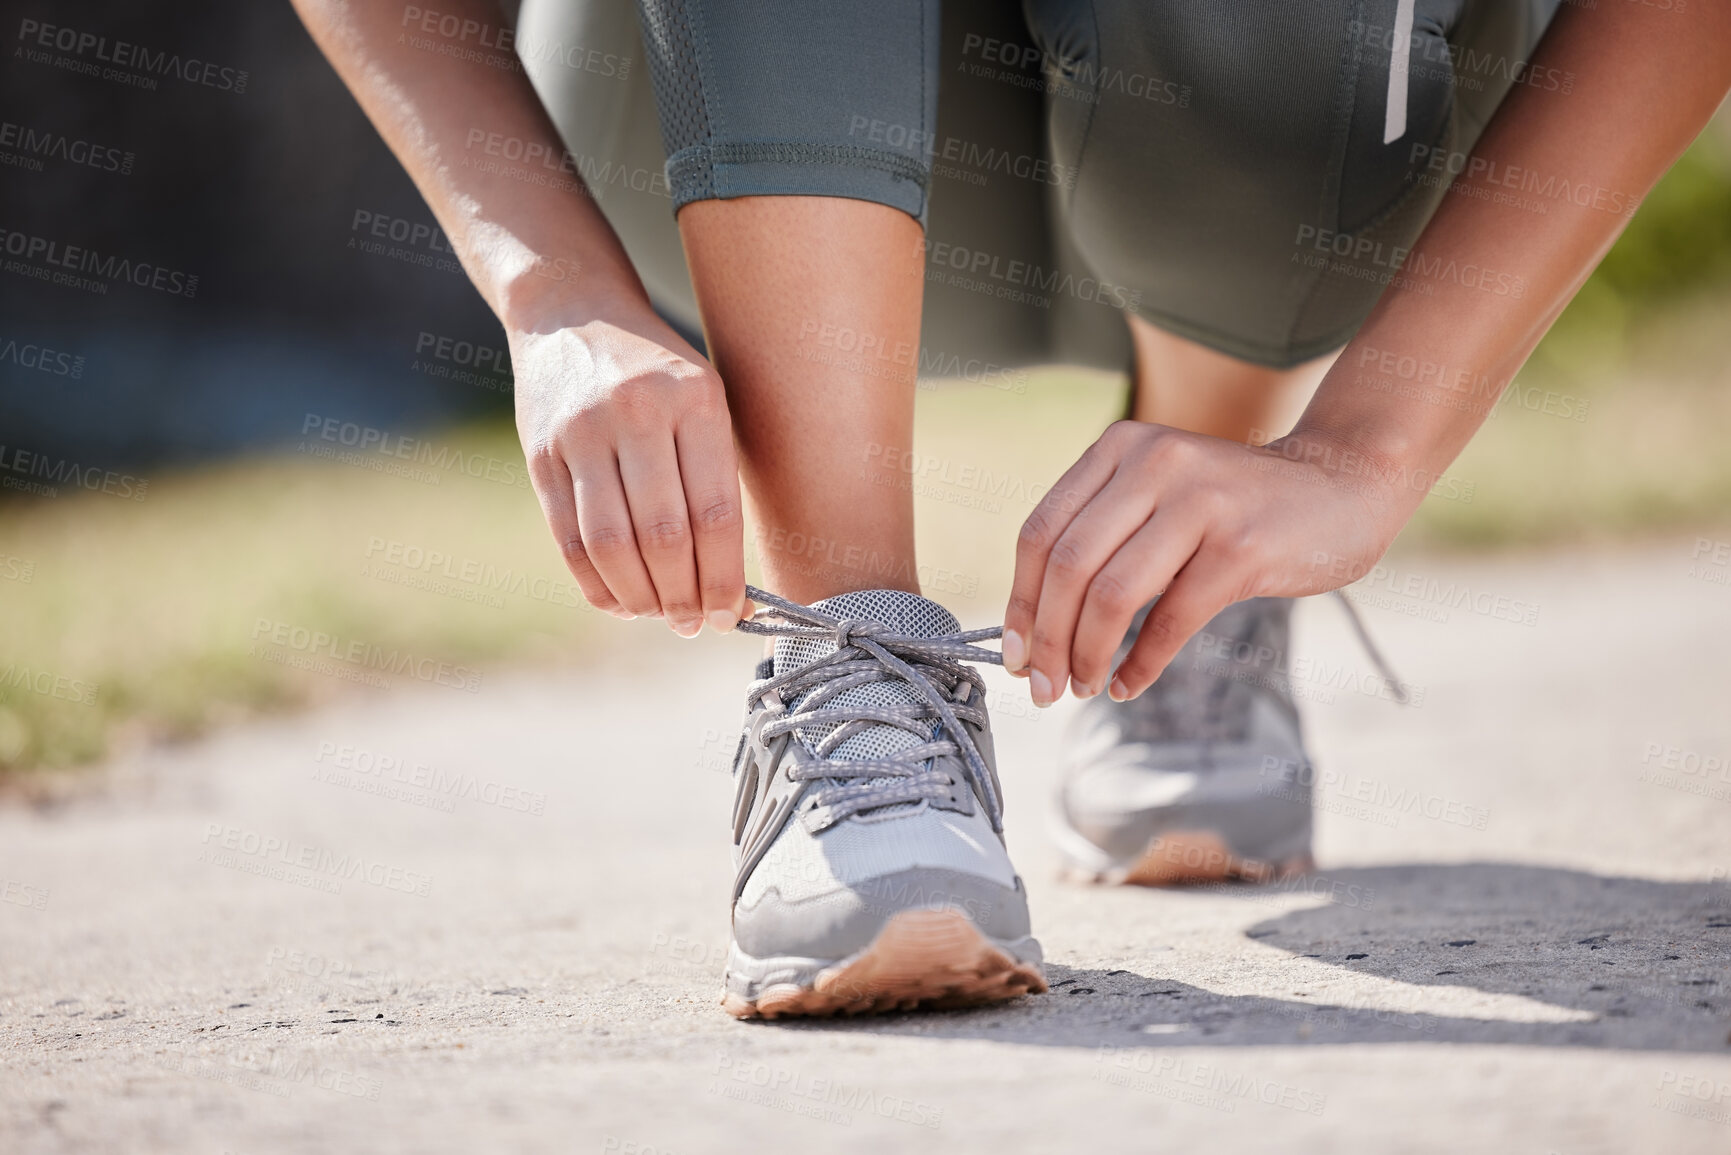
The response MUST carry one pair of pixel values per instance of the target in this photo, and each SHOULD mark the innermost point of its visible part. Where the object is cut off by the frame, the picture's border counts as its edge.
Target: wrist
(1342, 449)
(1384, 476)
(553, 293)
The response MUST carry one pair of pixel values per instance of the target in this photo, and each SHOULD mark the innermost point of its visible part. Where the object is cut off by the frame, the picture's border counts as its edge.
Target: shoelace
(1396, 687)
(868, 652)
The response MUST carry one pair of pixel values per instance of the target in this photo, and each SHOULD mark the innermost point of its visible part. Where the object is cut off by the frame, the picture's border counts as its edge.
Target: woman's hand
(1201, 522)
(624, 424)
(630, 449)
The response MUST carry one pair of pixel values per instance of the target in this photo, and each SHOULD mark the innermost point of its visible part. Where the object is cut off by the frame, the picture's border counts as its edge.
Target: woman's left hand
(1201, 522)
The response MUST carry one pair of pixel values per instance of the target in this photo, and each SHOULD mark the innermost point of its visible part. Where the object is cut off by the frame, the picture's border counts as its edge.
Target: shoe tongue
(898, 610)
(902, 613)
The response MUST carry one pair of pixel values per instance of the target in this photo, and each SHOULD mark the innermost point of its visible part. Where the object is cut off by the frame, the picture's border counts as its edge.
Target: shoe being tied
(871, 872)
(1204, 777)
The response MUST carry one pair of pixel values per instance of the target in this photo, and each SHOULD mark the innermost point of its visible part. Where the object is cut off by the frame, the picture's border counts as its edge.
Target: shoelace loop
(868, 651)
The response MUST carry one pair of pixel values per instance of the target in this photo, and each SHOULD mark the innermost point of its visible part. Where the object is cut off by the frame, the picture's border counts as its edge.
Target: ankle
(814, 579)
(809, 566)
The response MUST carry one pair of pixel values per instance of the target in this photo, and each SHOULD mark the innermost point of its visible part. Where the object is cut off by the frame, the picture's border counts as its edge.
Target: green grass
(1646, 455)
(157, 604)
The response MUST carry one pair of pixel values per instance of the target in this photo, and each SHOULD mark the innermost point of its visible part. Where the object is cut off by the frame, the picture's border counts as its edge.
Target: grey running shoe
(1202, 778)
(867, 829)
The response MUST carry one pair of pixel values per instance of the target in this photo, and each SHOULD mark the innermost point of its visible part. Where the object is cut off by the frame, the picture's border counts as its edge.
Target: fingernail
(1015, 651)
(1040, 687)
(687, 629)
(1118, 690)
(623, 615)
(1082, 690)
(721, 621)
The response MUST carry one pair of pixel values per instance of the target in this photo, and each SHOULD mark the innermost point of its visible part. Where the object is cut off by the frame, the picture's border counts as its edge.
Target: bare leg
(1189, 386)
(811, 307)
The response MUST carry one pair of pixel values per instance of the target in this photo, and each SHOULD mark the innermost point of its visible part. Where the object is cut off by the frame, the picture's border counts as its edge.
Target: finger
(1050, 518)
(1097, 532)
(1136, 573)
(656, 497)
(1198, 593)
(608, 537)
(559, 505)
(711, 475)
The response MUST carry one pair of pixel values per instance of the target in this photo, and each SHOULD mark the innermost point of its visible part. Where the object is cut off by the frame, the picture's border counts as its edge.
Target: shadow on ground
(1624, 963)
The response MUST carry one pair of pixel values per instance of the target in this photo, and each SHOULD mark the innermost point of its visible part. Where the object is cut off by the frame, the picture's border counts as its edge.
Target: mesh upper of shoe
(885, 839)
(901, 611)
(1110, 775)
(1203, 716)
(1206, 692)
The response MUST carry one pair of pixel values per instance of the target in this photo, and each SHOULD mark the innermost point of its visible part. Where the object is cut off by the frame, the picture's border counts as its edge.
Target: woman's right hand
(630, 449)
(624, 424)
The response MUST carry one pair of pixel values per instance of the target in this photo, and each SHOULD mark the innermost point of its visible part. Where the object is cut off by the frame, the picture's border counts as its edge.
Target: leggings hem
(769, 168)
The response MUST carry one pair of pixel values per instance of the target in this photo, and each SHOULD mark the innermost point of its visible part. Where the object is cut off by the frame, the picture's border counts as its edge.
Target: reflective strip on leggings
(1400, 53)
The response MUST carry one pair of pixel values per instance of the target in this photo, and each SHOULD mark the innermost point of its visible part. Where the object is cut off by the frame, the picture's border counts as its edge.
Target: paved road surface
(1518, 940)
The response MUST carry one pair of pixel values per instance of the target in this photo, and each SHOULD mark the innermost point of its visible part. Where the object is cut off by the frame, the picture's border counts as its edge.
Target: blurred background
(179, 483)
